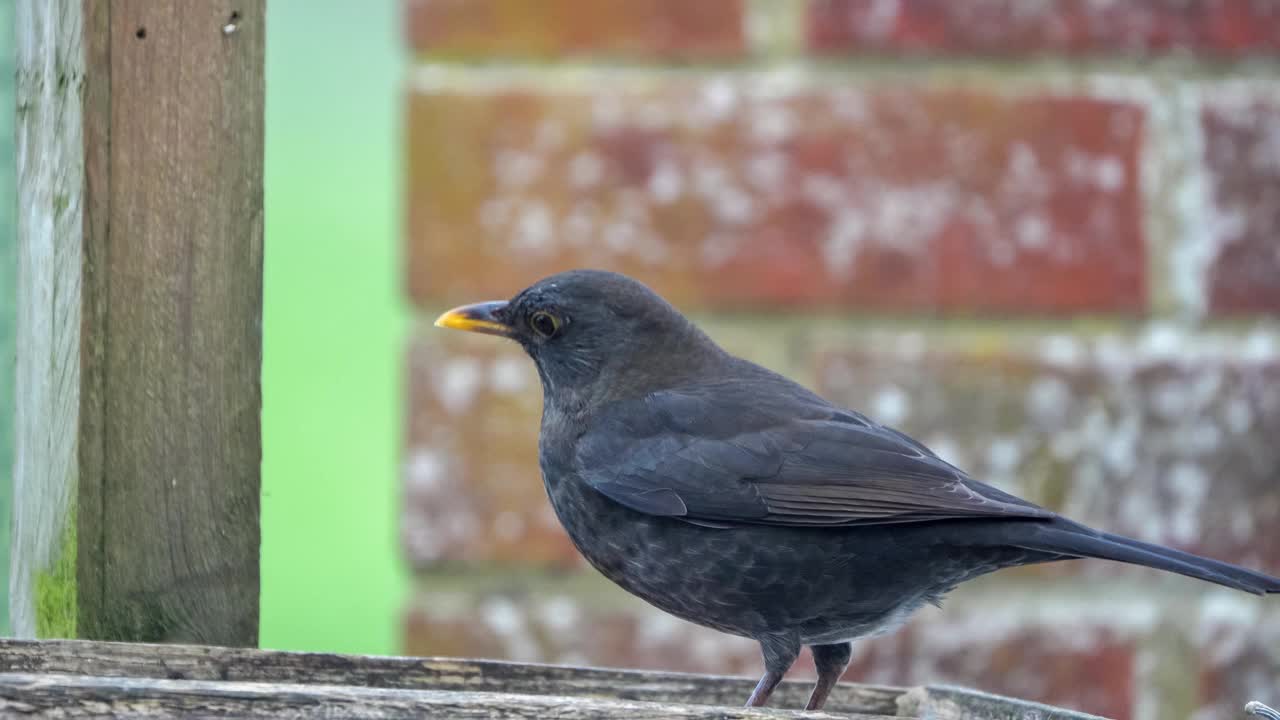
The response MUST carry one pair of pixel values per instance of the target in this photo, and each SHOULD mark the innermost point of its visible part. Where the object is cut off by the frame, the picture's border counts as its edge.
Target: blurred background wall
(1042, 236)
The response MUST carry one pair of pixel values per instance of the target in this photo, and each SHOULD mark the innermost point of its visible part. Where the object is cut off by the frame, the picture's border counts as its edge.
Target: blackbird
(732, 497)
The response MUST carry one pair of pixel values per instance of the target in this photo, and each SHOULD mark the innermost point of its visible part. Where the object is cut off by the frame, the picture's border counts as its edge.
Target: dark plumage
(734, 498)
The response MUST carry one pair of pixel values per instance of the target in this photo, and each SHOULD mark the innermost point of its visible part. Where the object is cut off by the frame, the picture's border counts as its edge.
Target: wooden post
(136, 490)
(8, 291)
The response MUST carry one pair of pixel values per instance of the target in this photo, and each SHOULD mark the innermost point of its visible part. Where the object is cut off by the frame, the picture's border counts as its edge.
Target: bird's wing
(725, 455)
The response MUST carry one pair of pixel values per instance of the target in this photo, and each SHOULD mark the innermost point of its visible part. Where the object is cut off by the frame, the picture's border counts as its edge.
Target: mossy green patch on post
(56, 589)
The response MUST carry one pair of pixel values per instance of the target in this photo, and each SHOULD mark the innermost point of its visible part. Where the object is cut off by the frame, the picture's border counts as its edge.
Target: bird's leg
(780, 652)
(830, 660)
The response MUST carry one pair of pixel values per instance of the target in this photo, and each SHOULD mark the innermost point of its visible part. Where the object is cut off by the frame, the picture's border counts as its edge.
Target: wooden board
(486, 680)
(215, 663)
(88, 696)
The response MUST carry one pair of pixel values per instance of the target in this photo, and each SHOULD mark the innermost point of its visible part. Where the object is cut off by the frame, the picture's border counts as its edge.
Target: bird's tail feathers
(1080, 541)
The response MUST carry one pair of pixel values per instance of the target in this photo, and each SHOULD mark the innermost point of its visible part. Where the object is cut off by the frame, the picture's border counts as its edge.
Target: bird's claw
(1260, 710)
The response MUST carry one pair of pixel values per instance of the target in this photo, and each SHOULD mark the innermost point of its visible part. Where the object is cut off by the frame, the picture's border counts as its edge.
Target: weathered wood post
(136, 489)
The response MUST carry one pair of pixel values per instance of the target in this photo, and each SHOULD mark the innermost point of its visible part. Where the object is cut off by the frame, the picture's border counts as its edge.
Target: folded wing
(721, 455)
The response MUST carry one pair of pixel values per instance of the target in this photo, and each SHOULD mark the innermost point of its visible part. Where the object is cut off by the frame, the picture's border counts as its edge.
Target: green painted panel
(333, 318)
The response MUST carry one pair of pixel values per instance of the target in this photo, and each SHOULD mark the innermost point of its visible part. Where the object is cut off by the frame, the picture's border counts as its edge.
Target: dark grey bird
(732, 497)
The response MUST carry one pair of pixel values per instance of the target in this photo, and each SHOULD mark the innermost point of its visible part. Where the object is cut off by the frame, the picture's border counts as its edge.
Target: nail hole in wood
(233, 23)
(141, 33)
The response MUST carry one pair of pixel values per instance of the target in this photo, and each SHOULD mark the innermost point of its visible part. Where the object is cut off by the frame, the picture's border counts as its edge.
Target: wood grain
(87, 696)
(8, 291)
(942, 702)
(154, 679)
(214, 663)
(142, 196)
(50, 200)
(170, 440)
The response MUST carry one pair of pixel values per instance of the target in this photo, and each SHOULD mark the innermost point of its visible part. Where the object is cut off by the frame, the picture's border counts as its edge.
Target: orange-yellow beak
(478, 318)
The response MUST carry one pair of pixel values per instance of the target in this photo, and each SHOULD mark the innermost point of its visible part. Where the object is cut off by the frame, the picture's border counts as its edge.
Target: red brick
(1017, 27)
(1075, 663)
(665, 29)
(1019, 644)
(1242, 160)
(736, 193)
(1180, 452)
(600, 626)
(1236, 648)
(473, 492)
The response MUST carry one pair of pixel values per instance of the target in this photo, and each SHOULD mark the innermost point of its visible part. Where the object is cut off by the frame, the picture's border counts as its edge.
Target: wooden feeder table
(75, 678)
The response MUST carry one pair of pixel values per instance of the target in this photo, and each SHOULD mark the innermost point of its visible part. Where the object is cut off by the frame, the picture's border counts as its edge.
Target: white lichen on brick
(420, 542)
(457, 381)
(1061, 350)
(1033, 232)
(516, 169)
(508, 526)
(1189, 485)
(509, 375)
(550, 135)
(890, 405)
(718, 248)
(1261, 345)
(660, 630)
(1102, 171)
(843, 242)
(509, 624)
(666, 183)
(1225, 625)
(1047, 400)
(948, 449)
(1004, 454)
(559, 613)
(424, 470)
(772, 124)
(534, 231)
(1196, 246)
(732, 206)
(766, 171)
(586, 170)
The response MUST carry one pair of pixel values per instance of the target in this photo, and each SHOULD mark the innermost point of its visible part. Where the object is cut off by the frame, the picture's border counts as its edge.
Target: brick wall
(1043, 236)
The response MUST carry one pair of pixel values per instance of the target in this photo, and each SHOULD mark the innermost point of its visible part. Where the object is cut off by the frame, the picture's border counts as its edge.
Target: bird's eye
(544, 323)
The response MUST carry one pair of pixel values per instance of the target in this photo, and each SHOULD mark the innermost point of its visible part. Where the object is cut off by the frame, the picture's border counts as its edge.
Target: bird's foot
(1262, 711)
(830, 661)
(764, 689)
(780, 653)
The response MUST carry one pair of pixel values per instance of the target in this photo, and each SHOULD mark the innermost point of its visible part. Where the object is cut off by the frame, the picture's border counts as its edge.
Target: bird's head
(594, 335)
